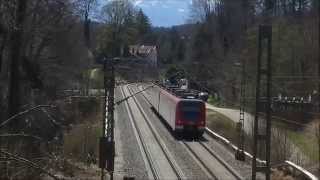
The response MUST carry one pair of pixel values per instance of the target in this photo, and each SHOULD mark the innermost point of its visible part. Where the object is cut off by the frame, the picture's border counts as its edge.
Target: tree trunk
(15, 55)
(87, 31)
(319, 78)
(2, 46)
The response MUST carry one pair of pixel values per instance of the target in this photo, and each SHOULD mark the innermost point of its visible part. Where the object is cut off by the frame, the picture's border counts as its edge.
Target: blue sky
(164, 12)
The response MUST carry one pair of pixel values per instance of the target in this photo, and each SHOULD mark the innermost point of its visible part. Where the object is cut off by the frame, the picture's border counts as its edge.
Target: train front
(190, 117)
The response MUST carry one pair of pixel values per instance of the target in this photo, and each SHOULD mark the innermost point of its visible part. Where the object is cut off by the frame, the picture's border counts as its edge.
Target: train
(183, 111)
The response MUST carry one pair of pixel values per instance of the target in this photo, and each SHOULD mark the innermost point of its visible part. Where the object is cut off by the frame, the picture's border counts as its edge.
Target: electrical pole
(102, 140)
(239, 155)
(110, 119)
(319, 81)
(107, 144)
(262, 125)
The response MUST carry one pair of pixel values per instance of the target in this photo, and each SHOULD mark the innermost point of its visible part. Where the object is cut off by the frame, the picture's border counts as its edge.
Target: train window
(190, 111)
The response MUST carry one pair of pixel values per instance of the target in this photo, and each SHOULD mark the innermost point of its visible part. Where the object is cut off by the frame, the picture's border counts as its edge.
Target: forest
(221, 38)
(49, 51)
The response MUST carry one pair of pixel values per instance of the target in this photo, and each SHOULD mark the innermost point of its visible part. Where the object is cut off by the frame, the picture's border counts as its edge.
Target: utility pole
(319, 81)
(110, 119)
(107, 144)
(239, 155)
(262, 125)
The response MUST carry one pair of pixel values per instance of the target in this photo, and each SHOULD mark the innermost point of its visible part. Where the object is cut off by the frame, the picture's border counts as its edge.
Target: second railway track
(209, 161)
(160, 161)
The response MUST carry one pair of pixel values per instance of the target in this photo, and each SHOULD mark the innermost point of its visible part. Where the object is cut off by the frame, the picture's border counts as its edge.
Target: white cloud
(154, 3)
(146, 3)
(137, 2)
(165, 6)
(181, 10)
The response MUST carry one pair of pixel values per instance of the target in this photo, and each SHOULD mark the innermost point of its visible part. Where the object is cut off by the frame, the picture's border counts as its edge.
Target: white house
(148, 53)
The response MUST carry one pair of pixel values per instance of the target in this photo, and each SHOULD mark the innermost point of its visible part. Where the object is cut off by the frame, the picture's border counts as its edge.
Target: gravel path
(234, 115)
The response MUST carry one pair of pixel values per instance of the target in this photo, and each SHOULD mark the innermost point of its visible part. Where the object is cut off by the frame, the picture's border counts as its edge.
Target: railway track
(209, 161)
(161, 164)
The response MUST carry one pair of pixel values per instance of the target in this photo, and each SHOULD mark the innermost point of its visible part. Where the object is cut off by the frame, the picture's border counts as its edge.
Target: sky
(164, 13)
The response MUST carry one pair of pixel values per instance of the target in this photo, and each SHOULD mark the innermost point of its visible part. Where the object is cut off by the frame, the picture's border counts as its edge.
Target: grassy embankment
(80, 146)
(225, 127)
(81, 141)
(222, 125)
(305, 139)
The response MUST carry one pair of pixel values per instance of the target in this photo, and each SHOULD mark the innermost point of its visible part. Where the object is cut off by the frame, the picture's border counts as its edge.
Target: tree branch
(30, 163)
(21, 135)
(53, 121)
(24, 112)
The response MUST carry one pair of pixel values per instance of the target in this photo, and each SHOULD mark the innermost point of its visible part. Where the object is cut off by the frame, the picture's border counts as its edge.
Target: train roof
(184, 94)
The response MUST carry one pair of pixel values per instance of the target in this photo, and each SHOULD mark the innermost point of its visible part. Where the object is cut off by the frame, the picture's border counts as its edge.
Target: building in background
(147, 53)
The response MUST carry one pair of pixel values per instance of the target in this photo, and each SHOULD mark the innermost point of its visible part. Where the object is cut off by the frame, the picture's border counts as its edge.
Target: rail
(200, 162)
(140, 139)
(233, 147)
(165, 151)
(210, 173)
(302, 170)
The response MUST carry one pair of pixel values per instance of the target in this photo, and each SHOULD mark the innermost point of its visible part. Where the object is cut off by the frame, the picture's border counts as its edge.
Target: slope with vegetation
(48, 50)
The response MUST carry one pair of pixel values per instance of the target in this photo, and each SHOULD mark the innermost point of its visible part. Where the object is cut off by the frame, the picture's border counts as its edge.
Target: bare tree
(202, 9)
(85, 9)
(15, 56)
(117, 16)
(42, 41)
(116, 12)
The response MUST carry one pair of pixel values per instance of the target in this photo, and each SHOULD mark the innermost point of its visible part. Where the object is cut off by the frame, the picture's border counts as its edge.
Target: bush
(88, 106)
(214, 100)
(82, 142)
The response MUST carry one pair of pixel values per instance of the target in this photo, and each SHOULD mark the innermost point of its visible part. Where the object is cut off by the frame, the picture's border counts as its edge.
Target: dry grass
(306, 140)
(81, 142)
(221, 125)
(280, 175)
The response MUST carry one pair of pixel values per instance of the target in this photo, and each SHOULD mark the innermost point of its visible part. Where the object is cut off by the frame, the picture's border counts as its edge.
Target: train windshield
(190, 110)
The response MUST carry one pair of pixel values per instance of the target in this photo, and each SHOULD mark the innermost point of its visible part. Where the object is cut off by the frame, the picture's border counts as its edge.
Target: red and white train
(184, 114)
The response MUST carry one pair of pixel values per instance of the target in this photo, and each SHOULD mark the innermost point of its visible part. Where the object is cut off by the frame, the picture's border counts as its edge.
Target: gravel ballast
(129, 161)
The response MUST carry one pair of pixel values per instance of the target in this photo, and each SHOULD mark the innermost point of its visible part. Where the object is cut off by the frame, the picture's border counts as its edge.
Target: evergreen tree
(143, 24)
(124, 26)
